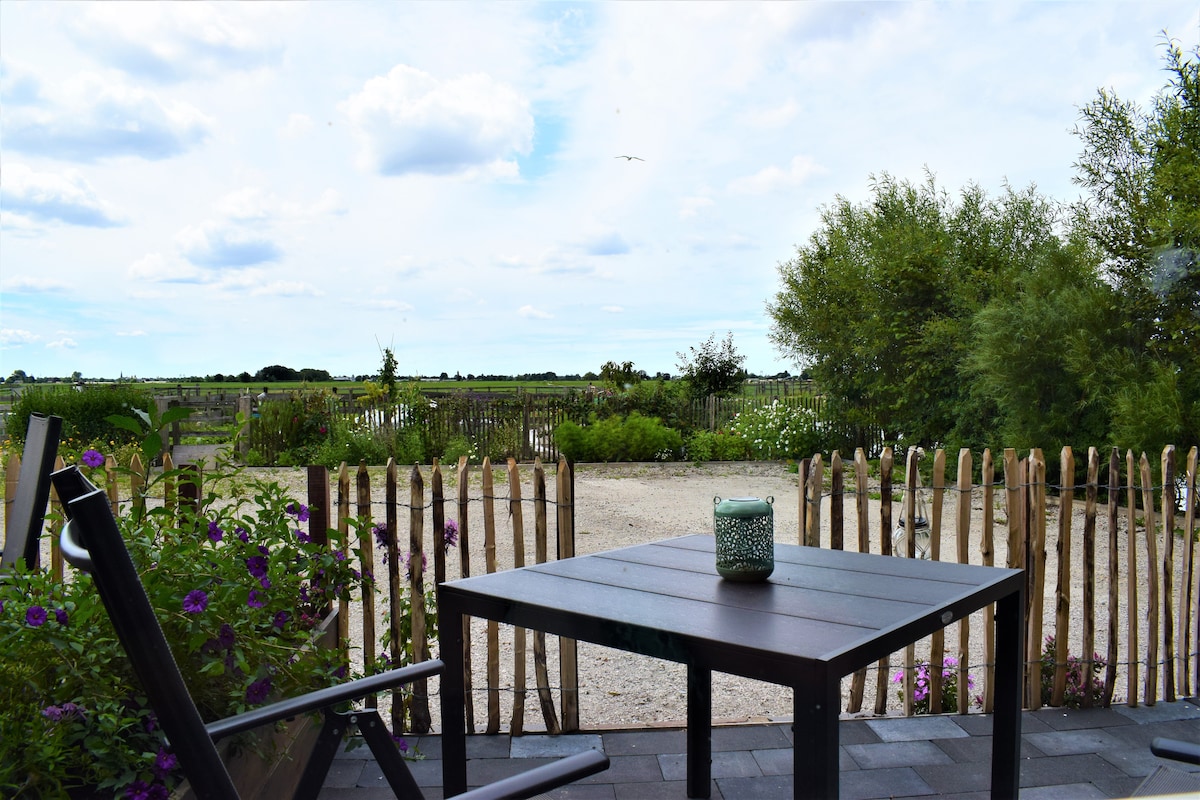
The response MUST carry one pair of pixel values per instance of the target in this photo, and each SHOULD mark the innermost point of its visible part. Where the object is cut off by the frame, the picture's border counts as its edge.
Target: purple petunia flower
(195, 602)
(215, 534)
(257, 691)
(281, 619)
(450, 534)
(302, 536)
(164, 764)
(241, 534)
(401, 744)
(60, 614)
(255, 599)
(380, 532)
(35, 617)
(257, 566)
(264, 582)
(93, 458)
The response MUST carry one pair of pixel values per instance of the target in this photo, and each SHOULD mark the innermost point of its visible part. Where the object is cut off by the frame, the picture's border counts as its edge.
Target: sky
(191, 189)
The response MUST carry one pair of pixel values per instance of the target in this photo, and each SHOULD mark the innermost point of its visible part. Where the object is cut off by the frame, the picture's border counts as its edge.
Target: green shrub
(779, 431)
(720, 446)
(84, 413)
(633, 438)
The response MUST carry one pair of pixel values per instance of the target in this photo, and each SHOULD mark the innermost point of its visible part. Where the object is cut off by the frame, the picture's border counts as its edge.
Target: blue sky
(200, 188)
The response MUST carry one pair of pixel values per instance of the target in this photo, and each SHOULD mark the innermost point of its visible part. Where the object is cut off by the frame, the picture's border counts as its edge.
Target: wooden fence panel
(1131, 582)
(1168, 573)
(1062, 606)
(1153, 624)
(962, 530)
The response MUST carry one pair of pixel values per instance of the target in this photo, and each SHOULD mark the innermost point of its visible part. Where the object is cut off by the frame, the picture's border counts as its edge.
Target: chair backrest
(92, 542)
(23, 520)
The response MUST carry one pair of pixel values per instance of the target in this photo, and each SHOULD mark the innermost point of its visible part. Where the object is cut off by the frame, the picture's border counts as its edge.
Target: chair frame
(90, 521)
(24, 520)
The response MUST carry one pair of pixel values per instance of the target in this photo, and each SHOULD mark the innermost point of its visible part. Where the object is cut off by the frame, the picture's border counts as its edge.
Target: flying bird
(630, 158)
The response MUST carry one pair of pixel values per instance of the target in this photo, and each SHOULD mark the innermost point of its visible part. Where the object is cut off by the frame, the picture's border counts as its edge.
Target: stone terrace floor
(1065, 753)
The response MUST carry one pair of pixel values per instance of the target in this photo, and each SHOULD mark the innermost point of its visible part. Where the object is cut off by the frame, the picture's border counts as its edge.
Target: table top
(834, 610)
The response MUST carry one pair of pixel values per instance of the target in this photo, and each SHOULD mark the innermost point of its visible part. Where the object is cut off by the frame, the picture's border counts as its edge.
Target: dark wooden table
(820, 616)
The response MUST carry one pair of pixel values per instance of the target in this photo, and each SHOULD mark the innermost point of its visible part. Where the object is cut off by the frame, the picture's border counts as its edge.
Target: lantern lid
(743, 506)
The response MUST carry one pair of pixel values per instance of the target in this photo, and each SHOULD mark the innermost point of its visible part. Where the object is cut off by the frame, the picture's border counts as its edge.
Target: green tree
(620, 376)
(1142, 172)
(387, 373)
(713, 369)
(879, 304)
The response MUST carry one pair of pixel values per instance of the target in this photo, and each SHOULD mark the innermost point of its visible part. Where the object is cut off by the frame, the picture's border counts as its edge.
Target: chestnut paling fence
(1109, 564)
(1147, 634)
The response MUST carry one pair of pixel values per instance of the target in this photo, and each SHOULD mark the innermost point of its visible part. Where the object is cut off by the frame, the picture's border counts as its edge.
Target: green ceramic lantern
(745, 531)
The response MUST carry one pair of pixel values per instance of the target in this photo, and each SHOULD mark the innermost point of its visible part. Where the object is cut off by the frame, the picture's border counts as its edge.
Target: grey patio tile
(1066, 791)
(384, 793)
(766, 787)
(732, 764)
(978, 749)
(670, 790)
(344, 772)
(749, 737)
(581, 791)
(1087, 768)
(1159, 712)
(896, 754)
(951, 779)
(909, 729)
(628, 769)
(871, 784)
(487, 746)
(546, 746)
(621, 743)
(857, 732)
(1073, 742)
(1066, 719)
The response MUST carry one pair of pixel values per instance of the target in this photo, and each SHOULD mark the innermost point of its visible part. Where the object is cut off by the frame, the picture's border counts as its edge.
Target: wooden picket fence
(1127, 528)
(1157, 629)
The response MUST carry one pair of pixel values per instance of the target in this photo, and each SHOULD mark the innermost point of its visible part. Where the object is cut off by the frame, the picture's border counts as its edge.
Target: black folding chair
(23, 520)
(92, 542)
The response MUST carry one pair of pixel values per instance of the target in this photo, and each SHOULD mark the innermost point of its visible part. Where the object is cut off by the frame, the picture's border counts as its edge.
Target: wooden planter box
(288, 747)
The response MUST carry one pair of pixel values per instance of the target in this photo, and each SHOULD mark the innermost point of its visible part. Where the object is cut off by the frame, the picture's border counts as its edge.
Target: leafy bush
(85, 413)
(719, 446)
(633, 438)
(238, 588)
(779, 431)
(350, 441)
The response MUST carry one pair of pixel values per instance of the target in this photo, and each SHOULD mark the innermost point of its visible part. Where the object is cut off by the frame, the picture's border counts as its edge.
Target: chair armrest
(322, 698)
(541, 779)
(1176, 750)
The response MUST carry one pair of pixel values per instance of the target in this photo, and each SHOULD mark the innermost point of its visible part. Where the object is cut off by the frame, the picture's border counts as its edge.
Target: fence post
(244, 410)
(1168, 572)
(885, 547)
(568, 649)
(1153, 622)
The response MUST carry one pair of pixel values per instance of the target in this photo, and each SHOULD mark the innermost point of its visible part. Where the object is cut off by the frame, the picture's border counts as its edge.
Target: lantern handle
(770, 500)
(716, 501)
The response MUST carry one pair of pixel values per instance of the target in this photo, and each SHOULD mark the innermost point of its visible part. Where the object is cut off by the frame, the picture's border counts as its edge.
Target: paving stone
(749, 737)
(870, 784)
(539, 746)
(857, 732)
(766, 787)
(736, 764)
(648, 741)
(951, 779)
(909, 729)
(670, 790)
(1066, 719)
(343, 772)
(1065, 743)
(978, 749)
(1056, 770)
(896, 754)
(1159, 712)
(1066, 791)
(629, 769)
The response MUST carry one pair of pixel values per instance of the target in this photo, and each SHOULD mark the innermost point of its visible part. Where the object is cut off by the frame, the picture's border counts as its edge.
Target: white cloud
(157, 268)
(285, 289)
(52, 197)
(131, 333)
(612, 309)
(172, 44)
(772, 178)
(691, 206)
(529, 312)
(65, 343)
(411, 122)
(220, 245)
(95, 118)
(253, 203)
(17, 336)
(30, 283)
(297, 125)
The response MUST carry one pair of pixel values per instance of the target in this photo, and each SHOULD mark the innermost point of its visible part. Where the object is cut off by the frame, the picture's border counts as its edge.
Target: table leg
(817, 706)
(1006, 720)
(699, 731)
(453, 699)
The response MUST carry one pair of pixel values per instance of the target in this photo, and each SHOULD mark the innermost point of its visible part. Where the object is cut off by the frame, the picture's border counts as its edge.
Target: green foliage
(632, 438)
(713, 369)
(620, 377)
(716, 446)
(85, 413)
(237, 587)
(350, 441)
(779, 431)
